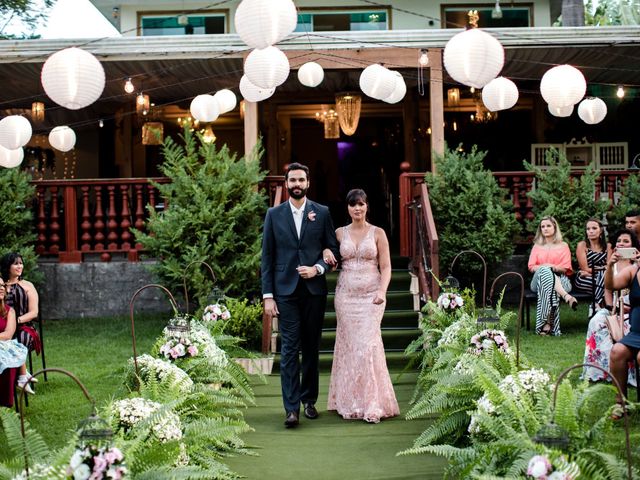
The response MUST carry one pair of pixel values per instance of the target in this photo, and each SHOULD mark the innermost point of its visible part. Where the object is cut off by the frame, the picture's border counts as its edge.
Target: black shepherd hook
(21, 400)
(484, 265)
(506, 274)
(184, 279)
(622, 397)
(174, 305)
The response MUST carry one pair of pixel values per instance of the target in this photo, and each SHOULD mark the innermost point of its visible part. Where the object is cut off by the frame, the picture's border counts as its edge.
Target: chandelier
(37, 111)
(329, 117)
(482, 115)
(348, 110)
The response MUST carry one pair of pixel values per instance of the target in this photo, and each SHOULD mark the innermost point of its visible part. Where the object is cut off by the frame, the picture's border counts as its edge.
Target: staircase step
(399, 300)
(391, 319)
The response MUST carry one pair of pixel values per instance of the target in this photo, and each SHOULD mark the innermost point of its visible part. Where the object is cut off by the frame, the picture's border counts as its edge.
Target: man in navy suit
(294, 288)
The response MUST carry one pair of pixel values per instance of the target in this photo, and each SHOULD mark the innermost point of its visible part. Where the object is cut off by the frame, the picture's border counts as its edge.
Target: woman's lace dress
(360, 385)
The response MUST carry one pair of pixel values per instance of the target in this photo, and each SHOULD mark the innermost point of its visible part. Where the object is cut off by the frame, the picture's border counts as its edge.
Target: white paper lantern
(262, 23)
(499, 94)
(560, 111)
(592, 110)
(267, 67)
(562, 86)
(204, 108)
(311, 74)
(11, 158)
(226, 100)
(73, 78)
(473, 57)
(377, 81)
(399, 91)
(62, 138)
(15, 132)
(252, 93)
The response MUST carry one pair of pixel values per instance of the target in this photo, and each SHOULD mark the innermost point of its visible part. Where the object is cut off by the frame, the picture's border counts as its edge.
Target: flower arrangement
(450, 301)
(97, 463)
(163, 371)
(40, 471)
(541, 468)
(194, 342)
(488, 339)
(131, 411)
(214, 312)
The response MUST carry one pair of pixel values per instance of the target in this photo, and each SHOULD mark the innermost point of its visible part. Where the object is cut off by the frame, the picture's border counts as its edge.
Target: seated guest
(599, 342)
(23, 297)
(592, 253)
(12, 353)
(632, 221)
(550, 263)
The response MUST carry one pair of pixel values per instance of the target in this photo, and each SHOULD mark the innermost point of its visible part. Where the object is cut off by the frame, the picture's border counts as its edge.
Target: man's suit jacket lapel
(288, 215)
(305, 218)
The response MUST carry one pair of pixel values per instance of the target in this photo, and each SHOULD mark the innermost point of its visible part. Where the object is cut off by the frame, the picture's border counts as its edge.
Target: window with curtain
(342, 20)
(513, 15)
(198, 23)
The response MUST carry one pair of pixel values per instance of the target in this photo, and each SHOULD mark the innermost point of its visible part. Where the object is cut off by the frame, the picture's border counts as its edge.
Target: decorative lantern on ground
(267, 67)
(179, 327)
(262, 23)
(377, 81)
(311, 74)
(473, 57)
(62, 138)
(15, 132)
(563, 86)
(253, 93)
(94, 431)
(204, 108)
(560, 111)
(73, 78)
(399, 91)
(226, 100)
(348, 109)
(592, 110)
(499, 94)
(11, 158)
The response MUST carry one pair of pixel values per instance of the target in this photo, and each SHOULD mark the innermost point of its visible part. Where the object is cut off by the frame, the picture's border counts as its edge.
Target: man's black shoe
(310, 411)
(291, 420)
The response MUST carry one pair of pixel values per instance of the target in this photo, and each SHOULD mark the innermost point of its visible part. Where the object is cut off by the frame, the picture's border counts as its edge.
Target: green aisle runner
(329, 447)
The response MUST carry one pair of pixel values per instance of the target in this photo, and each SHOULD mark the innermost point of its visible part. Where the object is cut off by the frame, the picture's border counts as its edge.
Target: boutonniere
(311, 216)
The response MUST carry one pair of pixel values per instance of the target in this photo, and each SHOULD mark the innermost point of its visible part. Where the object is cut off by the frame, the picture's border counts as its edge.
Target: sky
(74, 19)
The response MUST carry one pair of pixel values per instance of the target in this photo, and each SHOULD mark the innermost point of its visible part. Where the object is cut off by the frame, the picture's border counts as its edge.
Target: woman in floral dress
(12, 353)
(599, 343)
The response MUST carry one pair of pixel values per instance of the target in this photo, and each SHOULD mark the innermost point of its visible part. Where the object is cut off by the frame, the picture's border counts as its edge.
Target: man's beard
(297, 196)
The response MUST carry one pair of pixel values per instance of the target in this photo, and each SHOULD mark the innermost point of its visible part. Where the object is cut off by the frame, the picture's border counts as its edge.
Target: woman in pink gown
(360, 386)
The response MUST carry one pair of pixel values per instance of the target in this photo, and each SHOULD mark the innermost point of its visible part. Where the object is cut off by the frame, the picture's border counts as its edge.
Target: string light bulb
(423, 59)
(496, 13)
(620, 92)
(101, 123)
(128, 86)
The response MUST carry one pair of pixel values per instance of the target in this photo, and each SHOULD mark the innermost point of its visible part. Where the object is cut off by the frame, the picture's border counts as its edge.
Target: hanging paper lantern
(562, 86)
(252, 93)
(15, 132)
(499, 94)
(560, 111)
(399, 91)
(226, 100)
(592, 110)
(204, 108)
(311, 74)
(267, 67)
(377, 81)
(62, 138)
(262, 23)
(73, 78)
(11, 158)
(473, 57)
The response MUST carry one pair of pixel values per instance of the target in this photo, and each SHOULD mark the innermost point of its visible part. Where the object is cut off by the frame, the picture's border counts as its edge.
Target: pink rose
(193, 350)
(311, 216)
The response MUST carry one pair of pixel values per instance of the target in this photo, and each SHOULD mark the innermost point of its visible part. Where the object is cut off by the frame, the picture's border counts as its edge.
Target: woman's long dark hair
(5, 264)
(602, 239)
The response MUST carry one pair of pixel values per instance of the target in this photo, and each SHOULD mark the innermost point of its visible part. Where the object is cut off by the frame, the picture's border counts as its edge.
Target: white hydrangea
(168, 428)
(201, 337)
(42, 472)
(131, 411)
(534, 380)
(163, 369)
(451, 333)
(466, 365)
(483, 406)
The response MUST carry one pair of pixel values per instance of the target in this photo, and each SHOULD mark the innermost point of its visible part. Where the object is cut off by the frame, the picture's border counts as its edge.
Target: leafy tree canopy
(21, 18)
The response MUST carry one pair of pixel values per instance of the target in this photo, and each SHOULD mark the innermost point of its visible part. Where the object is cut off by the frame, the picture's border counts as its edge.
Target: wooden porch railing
(75, 218)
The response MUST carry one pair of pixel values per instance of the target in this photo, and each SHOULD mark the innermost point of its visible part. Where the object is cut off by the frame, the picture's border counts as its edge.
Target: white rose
(486, 343)
(76, 460)
(446, 302)
(82, 472)
(537, 469)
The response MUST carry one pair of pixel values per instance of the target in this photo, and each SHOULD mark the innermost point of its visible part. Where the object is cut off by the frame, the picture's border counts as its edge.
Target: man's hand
(270, 307)
(307, 272)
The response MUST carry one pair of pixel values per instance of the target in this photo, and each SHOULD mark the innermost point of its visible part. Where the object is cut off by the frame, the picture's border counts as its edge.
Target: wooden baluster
(125, 223)
(54, 238)
(139, 223)
(98, 226)
(516, 198)
(528, 186)
(611, 187)
(41, 242)
(598, 187)
(112, 225)
(152, 196)
(86, 224)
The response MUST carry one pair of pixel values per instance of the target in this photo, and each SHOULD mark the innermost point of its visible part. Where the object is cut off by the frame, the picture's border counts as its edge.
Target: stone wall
(97, 289)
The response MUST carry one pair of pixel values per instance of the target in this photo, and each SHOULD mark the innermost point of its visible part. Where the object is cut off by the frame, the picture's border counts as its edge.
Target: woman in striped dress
(550, 263)
(23, 297)
(592, 254)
